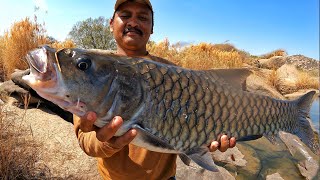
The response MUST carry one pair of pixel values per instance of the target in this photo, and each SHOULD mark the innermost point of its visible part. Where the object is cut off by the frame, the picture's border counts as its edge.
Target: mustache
(133, 29)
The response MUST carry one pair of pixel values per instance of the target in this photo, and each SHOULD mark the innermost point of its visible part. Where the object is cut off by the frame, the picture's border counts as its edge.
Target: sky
(255, 26)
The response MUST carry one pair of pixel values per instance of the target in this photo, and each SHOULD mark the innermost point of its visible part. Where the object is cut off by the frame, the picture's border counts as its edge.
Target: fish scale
(187, 106)
(174, 110)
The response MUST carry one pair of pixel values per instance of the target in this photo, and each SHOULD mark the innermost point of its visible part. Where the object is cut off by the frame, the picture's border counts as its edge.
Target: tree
(93, 33)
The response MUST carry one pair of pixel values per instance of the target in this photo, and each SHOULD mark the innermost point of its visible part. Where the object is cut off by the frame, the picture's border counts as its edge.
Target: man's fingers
(232, 142)
(224, 144)
(125, 139)
(214, 146)
(86, 122)
(108, 131)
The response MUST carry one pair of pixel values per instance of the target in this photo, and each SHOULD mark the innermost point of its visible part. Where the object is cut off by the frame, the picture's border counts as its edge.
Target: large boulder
(303, 63)
(272, 63)
(257, 83)
(288, 74)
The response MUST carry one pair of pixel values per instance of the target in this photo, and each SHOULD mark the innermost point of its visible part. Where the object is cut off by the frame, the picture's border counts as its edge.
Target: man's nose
(133, 22)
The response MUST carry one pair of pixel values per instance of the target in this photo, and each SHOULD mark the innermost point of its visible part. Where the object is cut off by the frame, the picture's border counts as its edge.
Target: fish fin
(151, 141)
(185, 159)
(304, 130)
(203, 158)
(233, 77)
(249, 138)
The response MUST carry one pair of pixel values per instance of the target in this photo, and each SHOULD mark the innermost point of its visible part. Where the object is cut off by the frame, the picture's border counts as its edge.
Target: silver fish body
(175, 110)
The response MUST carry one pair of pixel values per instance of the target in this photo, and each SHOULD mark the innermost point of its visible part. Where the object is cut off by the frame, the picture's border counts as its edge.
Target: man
(132, 25)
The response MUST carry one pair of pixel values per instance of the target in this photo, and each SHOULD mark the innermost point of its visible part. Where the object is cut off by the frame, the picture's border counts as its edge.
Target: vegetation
(274, 79)
(19, 154)
(278, 52)
(200, 56)
(93, 34)
(307, 81)
(23, 36)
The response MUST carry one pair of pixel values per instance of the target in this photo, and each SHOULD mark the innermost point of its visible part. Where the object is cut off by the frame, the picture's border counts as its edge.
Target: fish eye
(83, 63)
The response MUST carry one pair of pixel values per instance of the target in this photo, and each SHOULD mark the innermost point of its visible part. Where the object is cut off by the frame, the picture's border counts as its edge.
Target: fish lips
(38, 60)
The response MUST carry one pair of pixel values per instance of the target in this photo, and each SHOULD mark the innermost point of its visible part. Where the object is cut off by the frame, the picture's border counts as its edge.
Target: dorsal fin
(233, 77)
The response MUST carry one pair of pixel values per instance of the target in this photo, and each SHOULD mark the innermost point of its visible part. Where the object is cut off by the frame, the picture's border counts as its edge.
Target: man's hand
(106, 133)
(225, 144)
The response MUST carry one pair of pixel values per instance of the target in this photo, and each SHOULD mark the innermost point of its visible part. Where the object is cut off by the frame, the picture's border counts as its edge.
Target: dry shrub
(200, 56)
(307, 81)
(68, 43)
(1, 59)
(274, 79)
(23, 36)
(19, 154)
(165, 50)
(206, 56)
(278, 52)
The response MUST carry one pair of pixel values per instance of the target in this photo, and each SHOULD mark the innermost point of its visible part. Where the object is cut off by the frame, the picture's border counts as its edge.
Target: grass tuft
(19, 153)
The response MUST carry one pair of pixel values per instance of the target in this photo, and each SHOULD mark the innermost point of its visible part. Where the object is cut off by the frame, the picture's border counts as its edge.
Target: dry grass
(307, 81)
(23, 36)
(278, 52)
(274, 80)
(68, 43)
(18, 152)
(200, 56)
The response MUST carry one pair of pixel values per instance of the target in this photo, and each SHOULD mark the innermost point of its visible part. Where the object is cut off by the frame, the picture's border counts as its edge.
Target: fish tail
(304, 128)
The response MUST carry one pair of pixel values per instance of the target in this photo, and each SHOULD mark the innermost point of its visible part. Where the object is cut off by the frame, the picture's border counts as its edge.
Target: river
(314, 114)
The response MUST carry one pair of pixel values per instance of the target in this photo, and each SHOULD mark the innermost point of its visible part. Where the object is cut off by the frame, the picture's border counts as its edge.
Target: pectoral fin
(185, 159)
(149, 141)
(203, 158)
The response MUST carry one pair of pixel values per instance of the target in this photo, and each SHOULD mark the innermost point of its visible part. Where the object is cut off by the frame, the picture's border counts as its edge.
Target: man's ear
(111, 25)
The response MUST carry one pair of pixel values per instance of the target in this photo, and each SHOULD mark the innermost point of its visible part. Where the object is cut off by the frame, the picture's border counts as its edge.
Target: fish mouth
(37, 60)
(46, 79)
(41, 68)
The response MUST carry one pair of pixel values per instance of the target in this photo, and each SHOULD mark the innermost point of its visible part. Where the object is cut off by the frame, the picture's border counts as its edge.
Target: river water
(314, 114)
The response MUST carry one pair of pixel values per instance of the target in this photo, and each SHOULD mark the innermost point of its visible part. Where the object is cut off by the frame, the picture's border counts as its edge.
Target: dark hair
(152, 14)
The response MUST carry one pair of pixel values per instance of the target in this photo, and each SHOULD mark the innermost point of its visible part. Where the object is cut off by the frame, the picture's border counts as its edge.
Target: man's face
(132, 25)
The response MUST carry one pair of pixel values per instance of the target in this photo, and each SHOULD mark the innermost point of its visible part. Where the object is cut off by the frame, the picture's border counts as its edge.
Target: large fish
(174, 110)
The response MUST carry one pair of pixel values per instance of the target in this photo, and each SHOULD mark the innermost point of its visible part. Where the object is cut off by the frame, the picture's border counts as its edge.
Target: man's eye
(125, 16)
(142, 18)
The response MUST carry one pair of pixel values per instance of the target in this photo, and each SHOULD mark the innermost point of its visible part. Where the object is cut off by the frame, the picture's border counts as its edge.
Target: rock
(196, 172)
(273, 63)
(308, 162)
(299, 61)
(231, 156)
(275, 176)
(303, 63)
(288, 74)
(257, 83)
(24, 96)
